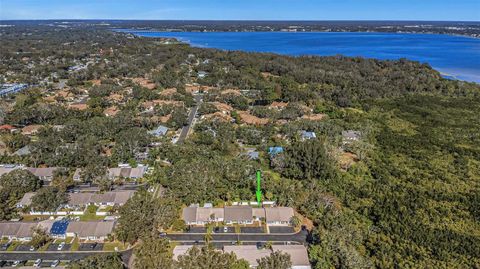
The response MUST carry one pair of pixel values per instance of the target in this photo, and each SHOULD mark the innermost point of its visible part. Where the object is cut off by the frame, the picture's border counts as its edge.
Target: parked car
(260, 245)
(60, 246)
(93, 246)
(16, 263)
(163, 234)
(32, 248)
(55, 263)
(37, 263)
(5, 246)
(2, 263)
(225, 229)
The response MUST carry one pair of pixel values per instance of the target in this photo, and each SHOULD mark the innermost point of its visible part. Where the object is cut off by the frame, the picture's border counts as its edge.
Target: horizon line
(239, 20)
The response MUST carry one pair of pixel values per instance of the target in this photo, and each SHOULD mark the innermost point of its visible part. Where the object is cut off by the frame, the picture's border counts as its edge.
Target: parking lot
(23, 247)
(252, 230)
(201, 230)
(54, 247)
(4, 246)
(91, 247)
(281, 229)
(220, 230)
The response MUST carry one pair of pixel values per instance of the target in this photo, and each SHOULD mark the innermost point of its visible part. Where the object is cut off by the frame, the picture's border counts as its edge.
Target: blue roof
(275, 150)
(59, 227)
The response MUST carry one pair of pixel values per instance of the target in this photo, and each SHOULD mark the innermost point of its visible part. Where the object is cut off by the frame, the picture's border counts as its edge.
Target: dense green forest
(409, 198)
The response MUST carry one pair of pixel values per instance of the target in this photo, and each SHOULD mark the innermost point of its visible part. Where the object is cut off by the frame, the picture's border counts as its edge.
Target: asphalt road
(300, 237)
(191, 117)
(50, 256)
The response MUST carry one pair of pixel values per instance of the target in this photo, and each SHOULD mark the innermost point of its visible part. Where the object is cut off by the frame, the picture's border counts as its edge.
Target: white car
(225, 229)
(37, 263)
(60, 246)
(55, 263)
(15, 263)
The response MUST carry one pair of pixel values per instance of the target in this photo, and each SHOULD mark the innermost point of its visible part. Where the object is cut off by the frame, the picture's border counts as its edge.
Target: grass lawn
(110, 246)
(13, 246)
(33, 217)
(75, 245)
(90, 214)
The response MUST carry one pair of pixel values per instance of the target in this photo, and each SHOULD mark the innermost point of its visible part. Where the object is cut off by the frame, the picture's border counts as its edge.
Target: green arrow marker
(259, 191)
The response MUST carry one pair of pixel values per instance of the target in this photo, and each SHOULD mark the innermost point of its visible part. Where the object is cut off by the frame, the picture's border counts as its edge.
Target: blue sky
(466, 10)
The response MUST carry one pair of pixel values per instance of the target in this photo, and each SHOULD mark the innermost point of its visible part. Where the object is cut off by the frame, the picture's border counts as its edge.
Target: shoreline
(133, 31)
(467, 77)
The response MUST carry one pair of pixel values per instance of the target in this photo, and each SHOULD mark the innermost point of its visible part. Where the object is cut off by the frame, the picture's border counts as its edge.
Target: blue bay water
(454, 56)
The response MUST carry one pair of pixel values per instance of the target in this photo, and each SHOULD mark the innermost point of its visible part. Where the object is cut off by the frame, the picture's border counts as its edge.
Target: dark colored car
(260, 245)
(5, 246)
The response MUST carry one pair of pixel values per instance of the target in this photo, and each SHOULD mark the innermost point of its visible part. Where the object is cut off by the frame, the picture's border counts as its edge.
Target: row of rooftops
(82, 229)
(118, 172)
(83, 199)
(250, 253)
(46, 174)
(42, 173)
(237, 214)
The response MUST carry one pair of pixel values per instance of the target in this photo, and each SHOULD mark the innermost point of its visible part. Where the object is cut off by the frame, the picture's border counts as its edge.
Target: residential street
(191, 118)
(63, 256)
